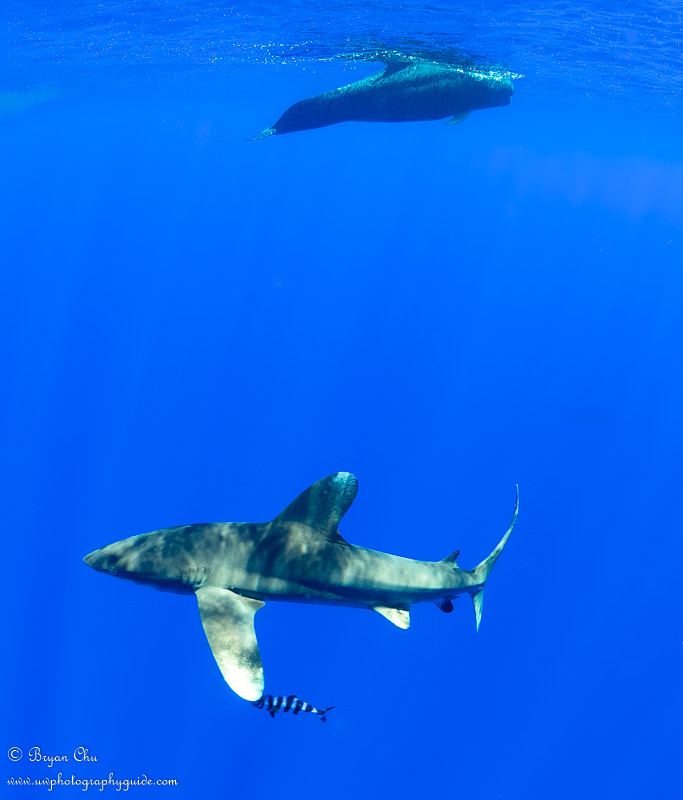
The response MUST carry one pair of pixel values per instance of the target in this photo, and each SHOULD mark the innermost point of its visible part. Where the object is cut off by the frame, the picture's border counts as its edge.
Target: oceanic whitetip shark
(300, 556)
(403, 92)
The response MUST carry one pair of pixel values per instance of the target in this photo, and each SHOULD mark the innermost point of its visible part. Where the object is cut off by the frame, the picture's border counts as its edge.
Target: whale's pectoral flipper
(228, 621)
(457, 118)
(399, 616)
(322, 505)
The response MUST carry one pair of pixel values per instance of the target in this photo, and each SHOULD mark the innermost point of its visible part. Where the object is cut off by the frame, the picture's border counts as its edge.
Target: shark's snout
(103, 560)
(91, 559)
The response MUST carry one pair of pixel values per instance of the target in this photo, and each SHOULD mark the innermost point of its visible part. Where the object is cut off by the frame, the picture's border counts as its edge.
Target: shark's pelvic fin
(322, 505)
(399, 616)
(228, 621)
(457, 118)
(483, 570)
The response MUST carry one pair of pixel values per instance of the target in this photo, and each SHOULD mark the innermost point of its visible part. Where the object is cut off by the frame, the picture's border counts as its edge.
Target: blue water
(197, 327)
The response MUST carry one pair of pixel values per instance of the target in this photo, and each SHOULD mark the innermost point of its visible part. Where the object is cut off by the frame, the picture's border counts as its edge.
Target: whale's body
(297, 557)
(401, 93)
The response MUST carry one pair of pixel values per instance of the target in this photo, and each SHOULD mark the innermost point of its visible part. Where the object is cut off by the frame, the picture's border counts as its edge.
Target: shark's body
(299, 556)
(401, 93)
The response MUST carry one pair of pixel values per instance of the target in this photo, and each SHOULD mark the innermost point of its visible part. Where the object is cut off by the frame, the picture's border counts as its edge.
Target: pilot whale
(233, 568)
(401, 93)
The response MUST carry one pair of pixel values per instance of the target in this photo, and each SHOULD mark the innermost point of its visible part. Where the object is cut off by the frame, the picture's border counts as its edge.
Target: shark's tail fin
(483, 570)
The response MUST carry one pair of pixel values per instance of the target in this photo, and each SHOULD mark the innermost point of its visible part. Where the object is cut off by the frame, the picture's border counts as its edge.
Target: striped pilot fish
(291, 703)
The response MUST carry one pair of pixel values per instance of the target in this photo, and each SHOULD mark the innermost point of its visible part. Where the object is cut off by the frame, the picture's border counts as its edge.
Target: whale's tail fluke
(262, 135)
(483, 570)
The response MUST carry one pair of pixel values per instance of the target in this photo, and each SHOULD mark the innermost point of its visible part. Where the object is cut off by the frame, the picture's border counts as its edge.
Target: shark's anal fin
(228, 621)
(399, 616)
(461, 117)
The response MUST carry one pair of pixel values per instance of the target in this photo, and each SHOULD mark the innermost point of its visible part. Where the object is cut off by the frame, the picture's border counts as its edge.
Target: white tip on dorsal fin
(399, 616)
(454, 120)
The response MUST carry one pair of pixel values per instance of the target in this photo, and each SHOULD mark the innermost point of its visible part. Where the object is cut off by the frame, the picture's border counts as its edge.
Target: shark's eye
(113, 572)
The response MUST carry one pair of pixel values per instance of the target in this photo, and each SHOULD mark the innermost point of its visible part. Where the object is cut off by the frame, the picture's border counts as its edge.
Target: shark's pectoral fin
(457, 118)
(399, 616)
(228, 621)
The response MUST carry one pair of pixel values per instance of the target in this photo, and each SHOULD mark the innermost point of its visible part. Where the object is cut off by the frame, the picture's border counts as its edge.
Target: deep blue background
(197, 327)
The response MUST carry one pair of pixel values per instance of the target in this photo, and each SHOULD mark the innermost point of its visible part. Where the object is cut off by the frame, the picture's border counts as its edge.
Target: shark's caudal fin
(483, 570)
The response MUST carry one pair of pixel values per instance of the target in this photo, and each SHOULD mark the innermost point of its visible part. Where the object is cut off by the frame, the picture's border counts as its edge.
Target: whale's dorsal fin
(228, 621)
(322, 505)
(393, 68)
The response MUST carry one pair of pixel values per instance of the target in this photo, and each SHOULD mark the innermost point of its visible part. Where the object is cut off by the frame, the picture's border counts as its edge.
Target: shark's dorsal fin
(399, 616)
(228, 621)
(393, 68)
(322, 505)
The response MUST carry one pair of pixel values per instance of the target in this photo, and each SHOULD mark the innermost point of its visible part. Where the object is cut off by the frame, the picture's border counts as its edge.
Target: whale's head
(494, 91)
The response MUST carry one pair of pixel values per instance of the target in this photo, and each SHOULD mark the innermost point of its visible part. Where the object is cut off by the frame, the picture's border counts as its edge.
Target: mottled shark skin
(401, 93)
(235, 567)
